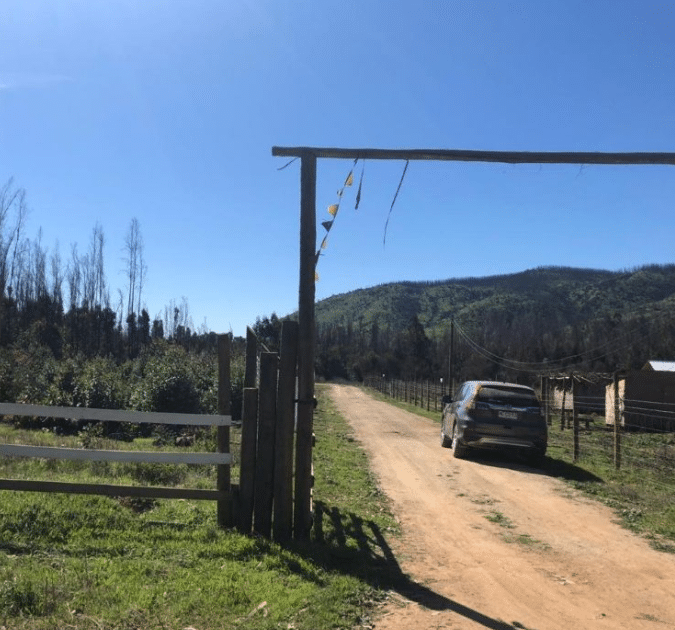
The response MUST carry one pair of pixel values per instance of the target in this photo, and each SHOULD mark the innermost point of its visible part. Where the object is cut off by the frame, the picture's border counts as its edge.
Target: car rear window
(507, 397)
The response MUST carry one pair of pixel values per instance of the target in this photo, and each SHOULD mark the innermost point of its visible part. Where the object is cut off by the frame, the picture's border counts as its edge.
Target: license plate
(508, 415)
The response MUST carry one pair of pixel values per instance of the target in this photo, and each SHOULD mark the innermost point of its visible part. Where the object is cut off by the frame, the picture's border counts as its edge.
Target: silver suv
(494, 415)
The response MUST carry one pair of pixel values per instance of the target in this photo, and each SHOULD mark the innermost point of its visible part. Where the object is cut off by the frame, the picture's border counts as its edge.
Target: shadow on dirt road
(374, 562)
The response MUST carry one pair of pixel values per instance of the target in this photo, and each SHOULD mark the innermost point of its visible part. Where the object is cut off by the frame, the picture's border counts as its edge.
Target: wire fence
(423, 393)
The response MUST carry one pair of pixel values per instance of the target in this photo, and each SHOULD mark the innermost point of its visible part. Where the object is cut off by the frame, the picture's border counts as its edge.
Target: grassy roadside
(88, 563)
(640, 495)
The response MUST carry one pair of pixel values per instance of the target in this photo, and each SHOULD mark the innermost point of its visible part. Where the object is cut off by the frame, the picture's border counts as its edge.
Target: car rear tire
(446, 442)
(459, 451)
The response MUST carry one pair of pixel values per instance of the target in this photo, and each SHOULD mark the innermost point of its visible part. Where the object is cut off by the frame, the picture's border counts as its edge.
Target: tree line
(496, 346)
(67, 305)
(66, 339)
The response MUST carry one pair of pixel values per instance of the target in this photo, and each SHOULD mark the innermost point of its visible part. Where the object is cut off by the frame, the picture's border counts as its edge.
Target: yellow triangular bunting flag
(332, 210)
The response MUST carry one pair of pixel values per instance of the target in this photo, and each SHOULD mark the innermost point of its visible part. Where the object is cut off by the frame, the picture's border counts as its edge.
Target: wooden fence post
(249, 445)
(264, 465)
(249, 435)
(224, 506)
(306, 348)
(283, 456)
(251, 368)
(617, 423)
(575, 423)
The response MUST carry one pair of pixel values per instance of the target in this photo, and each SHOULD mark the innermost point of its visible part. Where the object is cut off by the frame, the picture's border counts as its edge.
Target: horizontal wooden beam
(151, 492)
(79, 454)
(114, 415)
(461, 155)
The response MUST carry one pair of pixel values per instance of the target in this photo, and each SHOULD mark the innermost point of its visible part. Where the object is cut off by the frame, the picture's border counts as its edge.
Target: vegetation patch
(499, 519)
(639, 491)
(99, 563)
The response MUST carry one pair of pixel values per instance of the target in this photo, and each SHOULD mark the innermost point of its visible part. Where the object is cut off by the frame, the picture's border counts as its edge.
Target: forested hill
(555, 316)
(558, 296)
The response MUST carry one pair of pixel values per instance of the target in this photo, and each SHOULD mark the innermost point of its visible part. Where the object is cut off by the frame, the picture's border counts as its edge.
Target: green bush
(167, 382)
(99, 385)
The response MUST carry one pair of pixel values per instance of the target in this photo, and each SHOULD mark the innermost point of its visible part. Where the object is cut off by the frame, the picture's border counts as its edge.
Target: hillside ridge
(558, 296)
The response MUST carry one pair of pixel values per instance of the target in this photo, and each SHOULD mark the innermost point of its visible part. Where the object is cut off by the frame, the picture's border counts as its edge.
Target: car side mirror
(446, 400)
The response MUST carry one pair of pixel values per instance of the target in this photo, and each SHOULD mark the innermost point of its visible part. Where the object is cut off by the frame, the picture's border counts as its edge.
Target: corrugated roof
(660, 366)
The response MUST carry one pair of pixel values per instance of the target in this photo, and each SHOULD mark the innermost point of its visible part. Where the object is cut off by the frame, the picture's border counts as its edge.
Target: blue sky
(166, 111)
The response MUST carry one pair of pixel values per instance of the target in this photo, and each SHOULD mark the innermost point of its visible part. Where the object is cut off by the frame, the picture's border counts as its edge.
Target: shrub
(98, 384)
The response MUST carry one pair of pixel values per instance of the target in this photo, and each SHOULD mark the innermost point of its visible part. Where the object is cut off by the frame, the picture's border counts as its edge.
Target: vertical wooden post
(249, 445)
(251, 368)
(283, 455)
(451, 360)
(224, 508)
(575, 422)
(306, 342)
(617, 423)
(264, 464)
(562, 408)
(249, 436)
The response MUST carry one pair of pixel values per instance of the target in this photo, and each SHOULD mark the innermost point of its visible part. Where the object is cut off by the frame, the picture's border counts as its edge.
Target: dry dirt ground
(492, 543)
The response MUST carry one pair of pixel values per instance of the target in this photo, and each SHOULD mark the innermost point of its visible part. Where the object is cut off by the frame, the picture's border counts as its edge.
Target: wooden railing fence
(221, 458)
(269, 499)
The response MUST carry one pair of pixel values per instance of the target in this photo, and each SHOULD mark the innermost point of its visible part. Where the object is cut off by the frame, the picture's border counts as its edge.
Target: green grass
(499, 519)
(640, 491)
(70, 561)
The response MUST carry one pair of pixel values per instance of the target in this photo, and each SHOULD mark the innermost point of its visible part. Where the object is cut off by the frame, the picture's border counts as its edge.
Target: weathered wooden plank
(152, 492)
(224, 506)
(264, 473)
(462, 155)
(302, 521)
(251, 367)
(283, 454)
(115, 415)
(96, 455)
(249, 439)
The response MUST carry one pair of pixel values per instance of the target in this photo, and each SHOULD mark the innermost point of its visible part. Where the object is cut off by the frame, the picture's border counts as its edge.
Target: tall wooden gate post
(308, 158)
(306, 342)
(224, 506)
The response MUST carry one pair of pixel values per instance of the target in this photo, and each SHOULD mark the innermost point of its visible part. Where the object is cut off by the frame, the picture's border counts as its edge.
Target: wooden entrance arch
(307, 326)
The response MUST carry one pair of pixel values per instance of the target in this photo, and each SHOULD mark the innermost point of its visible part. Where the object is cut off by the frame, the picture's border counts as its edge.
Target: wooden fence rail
(221, 458)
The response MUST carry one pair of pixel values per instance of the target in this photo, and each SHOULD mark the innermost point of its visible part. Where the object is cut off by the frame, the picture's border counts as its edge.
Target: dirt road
(498, 545)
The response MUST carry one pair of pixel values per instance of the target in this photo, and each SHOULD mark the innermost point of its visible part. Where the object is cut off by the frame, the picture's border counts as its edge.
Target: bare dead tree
(13, 212)
(74, 274)
(57, 276)
(135, 266)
